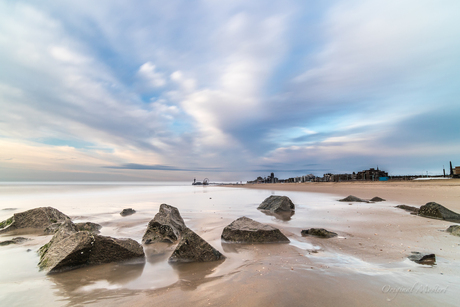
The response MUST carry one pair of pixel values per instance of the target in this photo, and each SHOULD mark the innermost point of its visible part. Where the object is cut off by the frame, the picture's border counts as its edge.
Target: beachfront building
(371, 174)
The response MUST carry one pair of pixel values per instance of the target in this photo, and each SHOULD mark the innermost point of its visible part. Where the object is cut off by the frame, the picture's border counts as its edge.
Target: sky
(227, 90)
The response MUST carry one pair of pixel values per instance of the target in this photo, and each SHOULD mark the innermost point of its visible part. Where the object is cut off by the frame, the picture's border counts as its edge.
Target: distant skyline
(228, 90)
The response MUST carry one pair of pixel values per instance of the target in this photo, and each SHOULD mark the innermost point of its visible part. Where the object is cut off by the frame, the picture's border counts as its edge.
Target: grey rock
(70, 249)
(377, 199)
(88, 226)
(246, 230)
(128, 211)
(16, 240)
(408, 208)
(318, 232)
(428, 259)
(454, 230)
(192, 248)
(437, 211)
(276, 203)
(38, 218)
(353, 199)
(166, 226)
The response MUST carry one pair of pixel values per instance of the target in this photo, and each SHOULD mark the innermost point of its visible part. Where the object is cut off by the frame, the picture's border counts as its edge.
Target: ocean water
(205, 209)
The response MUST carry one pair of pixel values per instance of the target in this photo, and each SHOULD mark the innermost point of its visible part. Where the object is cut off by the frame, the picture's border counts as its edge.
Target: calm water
(205, 209)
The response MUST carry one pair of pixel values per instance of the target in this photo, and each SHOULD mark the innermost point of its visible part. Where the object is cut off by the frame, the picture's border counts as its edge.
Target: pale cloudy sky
(171, 90)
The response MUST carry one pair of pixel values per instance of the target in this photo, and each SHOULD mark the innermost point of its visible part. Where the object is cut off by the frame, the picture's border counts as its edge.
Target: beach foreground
(366, 264)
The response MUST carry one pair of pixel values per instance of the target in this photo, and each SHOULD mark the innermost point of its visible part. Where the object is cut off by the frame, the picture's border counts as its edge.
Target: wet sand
(365, 265)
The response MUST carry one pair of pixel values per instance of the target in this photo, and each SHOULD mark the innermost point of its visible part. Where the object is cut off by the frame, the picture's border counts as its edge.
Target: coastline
(417, 193)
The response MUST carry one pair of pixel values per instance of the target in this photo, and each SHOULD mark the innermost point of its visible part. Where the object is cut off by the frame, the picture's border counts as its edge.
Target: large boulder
(437, 211)
(38, 218)
(246, 230)
(318, 232)
(351, 198)
(70, 249)
(276, 203)
(454, 230)
(192, 248)
(166, 226)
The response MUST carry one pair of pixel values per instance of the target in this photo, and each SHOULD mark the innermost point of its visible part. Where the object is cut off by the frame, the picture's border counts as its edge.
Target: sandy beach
(366, 264)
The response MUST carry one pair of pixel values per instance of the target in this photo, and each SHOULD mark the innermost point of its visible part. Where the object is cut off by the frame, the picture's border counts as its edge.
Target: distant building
(371, 174)
(456, 172)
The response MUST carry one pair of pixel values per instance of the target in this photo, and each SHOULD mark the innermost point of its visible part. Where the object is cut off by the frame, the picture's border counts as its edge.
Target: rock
(38, 218)
(437, 211)
(353, 199)
(277, 203)
(127, 212)
(420, 258)
(246, 230)
(454, 230)
(377, 199)
(88, 226)
(166, 226)
(16, 240)
(408, 208)
(192, 248)
(70, 249)
(318, 232)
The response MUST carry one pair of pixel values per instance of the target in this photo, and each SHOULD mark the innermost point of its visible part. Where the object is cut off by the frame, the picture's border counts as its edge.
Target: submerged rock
(276, 203)
(377, 199)
(246, 230)
(318, 232)
(70, 249)
(128, 211)
(437, 211)
(88, 226)
(408, 208)
(192, 248)
(166, 226)
(454, 230)
(353, 199)
(428, 259)
(38, 218)
(16, 240)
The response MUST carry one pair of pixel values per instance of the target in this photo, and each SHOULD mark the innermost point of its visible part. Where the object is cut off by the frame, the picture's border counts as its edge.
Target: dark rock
(429, 259)
(377, 199)
(246, 230)
(70, 249)
(127, 212)
(192, 248)
(437, 211)
(353, 199)
(10, 209)
(408, 208)
(166, 226)
(276, 203)
(454, 230)
(88, 226)
(318, 232)
(38, 218)
(16, 240)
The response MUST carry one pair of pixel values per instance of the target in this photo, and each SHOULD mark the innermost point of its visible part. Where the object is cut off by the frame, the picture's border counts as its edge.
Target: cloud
(147, 72)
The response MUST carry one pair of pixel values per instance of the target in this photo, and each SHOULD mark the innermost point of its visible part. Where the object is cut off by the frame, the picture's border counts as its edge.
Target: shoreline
(445, 192)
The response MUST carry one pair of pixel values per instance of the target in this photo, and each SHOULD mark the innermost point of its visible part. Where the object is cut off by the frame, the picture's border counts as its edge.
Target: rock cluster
(437, 211)
(166, 226)
(70, 248)
(318, 232)
(38, 218)
(276, 203)
(246, 230)
(16, 240)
